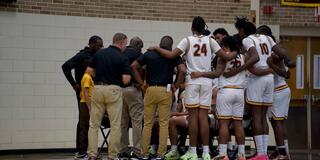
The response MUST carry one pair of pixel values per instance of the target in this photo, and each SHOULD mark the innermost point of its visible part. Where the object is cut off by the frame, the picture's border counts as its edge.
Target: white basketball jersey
(199, 51)
(263, 45)
(236, 80)
(279, 80)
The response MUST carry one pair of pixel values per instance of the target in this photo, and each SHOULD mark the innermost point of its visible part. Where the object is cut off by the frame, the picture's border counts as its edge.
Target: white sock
(241, 149)
(265, 143)
(286, 144)
(223, 149)
(205, 149)
(230, 145)
(259, 144)
(193, 150)
(174, 148)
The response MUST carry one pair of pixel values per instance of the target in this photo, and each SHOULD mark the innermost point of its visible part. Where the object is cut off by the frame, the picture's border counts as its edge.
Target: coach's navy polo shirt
(160, 70)
(110, 65)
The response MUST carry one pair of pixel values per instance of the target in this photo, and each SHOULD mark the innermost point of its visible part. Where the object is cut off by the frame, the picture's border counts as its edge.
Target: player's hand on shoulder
(152, 48)
(196, 75)
(269, 61)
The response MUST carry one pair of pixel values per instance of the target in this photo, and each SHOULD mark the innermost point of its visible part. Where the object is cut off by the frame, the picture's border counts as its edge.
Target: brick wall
(214, 11)
(288, 15)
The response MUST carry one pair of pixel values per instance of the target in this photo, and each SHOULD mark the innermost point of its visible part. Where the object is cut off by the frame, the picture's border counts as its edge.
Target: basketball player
(199, 50)
(260, 84)
(230, 102)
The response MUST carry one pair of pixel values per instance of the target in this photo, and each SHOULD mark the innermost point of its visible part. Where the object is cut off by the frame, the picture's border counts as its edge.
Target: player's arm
(260, 71)
(278, 67)
(135, 72)
(226, 55)
(166, 53)
(181, 74)
(221, 64)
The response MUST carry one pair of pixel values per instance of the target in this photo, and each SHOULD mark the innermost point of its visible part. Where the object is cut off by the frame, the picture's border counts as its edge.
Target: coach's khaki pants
(156, 98)
(105, 98)
(132, 108)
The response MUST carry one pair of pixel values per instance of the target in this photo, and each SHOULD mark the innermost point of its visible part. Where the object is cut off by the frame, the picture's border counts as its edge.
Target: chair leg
(104, 141)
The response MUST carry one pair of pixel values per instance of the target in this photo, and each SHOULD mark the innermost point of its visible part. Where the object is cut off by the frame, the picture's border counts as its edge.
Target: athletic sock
(193, 150)
(286, 144)
(174, 148)
(241, 149)
(205, 149)
(223, 149)
(259, 144)
(230, 145)
(265, 143)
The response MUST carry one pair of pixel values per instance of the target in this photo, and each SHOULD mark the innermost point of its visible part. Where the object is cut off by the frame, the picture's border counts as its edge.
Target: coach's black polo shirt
(132, 54)
(160, 70)
(110, 65)
(79, 63)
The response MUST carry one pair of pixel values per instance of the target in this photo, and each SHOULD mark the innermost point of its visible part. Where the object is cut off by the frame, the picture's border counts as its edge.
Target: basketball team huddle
(247, 69)
(230, 77)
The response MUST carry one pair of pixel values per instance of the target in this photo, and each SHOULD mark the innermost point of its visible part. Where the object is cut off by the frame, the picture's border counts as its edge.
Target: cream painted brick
(66, 113)
(5, 137)
(24, 42)
(53, 145)
(23, 113)
(55, 78)
(34, 78)
(74, 33)
(11, 77)
(22, 136)
(33, 101)
(10, 29)
(53, 55)
(11, 101)
(95, 31)
(6, 113)
(52, 124)
(64, 43)
(70, 144)
(64, 135)
(65, 90)
(45, 90)
(53, 32)
(44, 43)
(11, 53)
(33, 53)
(70, 101)
(31, 125)
(54, 101)
(70, 123)
(43, 136)
(44, 66)
(33, 31)
(6, 65)
(7, 41)
(58, 66)
(23, 89)
(44, 113)
(24, 66)
(6, 89)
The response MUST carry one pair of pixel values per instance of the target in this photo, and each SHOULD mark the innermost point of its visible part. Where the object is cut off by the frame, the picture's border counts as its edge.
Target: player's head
(120, 40)
(244, 27)
(219, 34)
(95, 43)
(166, 42)
(136, 42)
(198, 25)
(229, 44)
(266, 30)
(238, 41)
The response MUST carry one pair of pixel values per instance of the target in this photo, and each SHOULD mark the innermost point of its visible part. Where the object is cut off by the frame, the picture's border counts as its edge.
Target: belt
(233, 87)
(101, 83)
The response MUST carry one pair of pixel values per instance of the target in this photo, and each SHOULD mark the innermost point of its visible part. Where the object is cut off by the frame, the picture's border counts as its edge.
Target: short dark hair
(220, 31)
(248, 27)
(93, 39)
(231, 43)
(136, 42)
(166, 42)
(266, 30)
(198, 24)
(118, 37)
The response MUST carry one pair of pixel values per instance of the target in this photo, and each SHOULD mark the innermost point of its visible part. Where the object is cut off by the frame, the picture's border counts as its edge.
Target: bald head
(136, 42)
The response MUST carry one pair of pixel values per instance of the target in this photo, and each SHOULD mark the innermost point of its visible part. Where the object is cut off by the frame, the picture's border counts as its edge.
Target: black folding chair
(105, 124)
